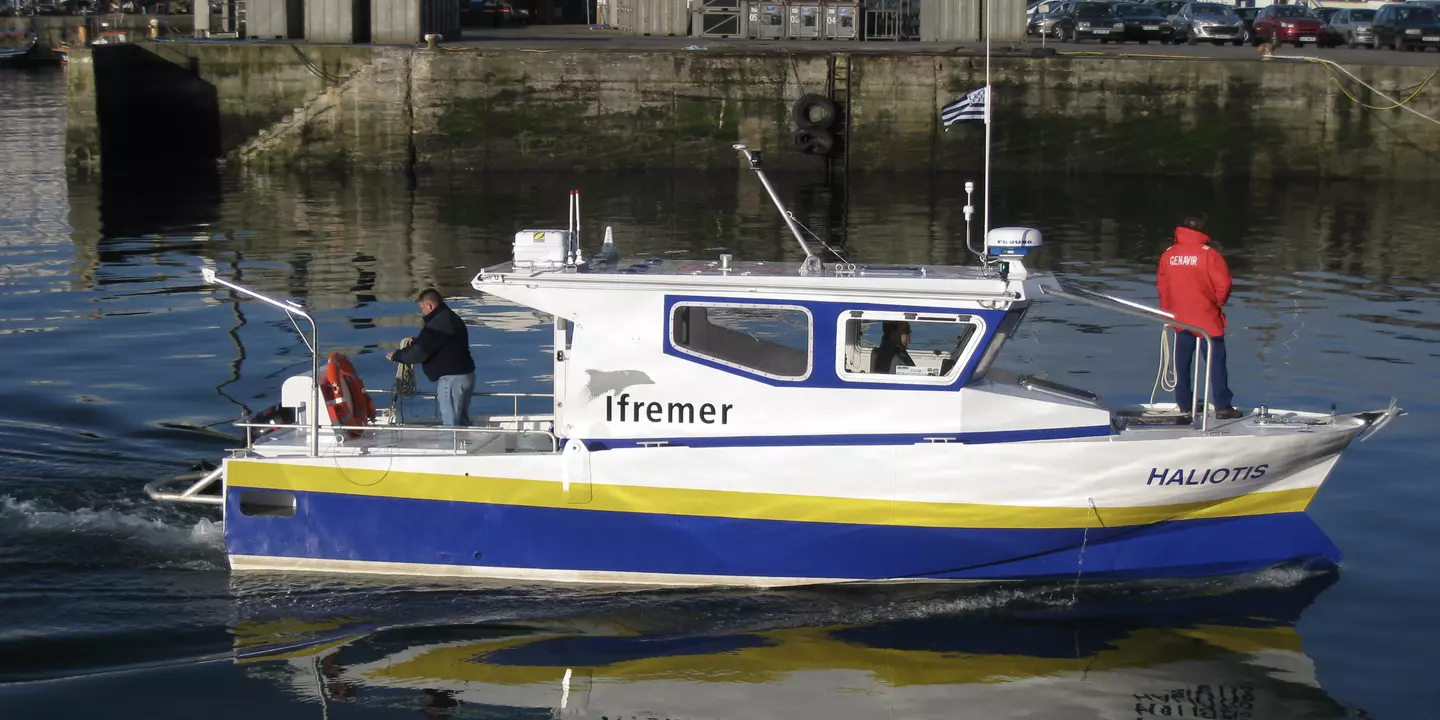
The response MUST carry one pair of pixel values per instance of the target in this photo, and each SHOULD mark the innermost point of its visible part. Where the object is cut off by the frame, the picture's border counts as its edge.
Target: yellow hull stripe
(740, 505)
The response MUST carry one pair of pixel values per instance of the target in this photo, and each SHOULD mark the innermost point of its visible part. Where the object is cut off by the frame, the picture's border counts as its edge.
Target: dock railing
(1071, 291)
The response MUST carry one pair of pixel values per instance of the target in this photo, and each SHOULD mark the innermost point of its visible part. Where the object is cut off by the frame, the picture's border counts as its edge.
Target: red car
(1288, 24)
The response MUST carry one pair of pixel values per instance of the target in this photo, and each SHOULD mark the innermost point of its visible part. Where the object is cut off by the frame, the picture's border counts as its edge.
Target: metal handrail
(292, 310)
(454, 432)
(515, 406)
(1130, 307)
(190, 494)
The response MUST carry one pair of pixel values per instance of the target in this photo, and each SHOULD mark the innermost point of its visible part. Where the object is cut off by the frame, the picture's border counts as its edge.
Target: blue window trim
(857, 378)
(825, 342)
(733, 367)
(986, 437)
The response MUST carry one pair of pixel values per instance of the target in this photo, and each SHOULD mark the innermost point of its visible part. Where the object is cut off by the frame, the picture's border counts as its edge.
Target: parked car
(1288, 23)
(1210, 22)
(1090, 20)
(1247, 16)
(497, 13)
(1143, 22)
(1036, 14)
(1351, 26)
(1405, 26)
(1168, 8)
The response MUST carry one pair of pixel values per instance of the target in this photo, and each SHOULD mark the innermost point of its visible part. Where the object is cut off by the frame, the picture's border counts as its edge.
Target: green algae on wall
(459, 108)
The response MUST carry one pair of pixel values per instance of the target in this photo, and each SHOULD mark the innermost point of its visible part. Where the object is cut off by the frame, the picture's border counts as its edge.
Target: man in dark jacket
(443, 350)
(895, 337)
(1194, 283)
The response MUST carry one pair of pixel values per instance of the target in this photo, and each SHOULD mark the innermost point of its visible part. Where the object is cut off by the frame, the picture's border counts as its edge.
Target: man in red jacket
(1194, 284)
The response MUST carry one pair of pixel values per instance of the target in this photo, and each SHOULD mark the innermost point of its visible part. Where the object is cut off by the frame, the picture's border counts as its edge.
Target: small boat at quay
(718, 421)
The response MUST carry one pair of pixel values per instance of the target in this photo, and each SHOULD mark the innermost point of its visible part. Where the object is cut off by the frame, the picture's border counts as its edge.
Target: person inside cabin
(442, 349)
(1194, 283)
(892, 353)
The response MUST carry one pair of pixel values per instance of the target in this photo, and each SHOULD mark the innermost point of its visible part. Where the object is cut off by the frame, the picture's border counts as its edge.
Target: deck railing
(1130, 307)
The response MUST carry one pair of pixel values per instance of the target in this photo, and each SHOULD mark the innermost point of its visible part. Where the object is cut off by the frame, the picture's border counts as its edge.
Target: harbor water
(119, 366)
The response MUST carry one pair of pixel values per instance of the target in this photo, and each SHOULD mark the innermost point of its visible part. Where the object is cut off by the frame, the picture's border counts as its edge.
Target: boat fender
(813, 142)
(813, 112)
(345, 395)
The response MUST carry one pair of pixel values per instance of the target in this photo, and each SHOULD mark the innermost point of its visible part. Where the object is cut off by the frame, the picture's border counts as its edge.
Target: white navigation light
(1013, 241)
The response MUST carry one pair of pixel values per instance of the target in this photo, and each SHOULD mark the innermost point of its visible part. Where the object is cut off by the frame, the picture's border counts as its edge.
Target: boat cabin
(694, 353)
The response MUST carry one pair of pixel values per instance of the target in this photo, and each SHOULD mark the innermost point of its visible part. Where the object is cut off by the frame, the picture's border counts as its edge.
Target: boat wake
(44, 532)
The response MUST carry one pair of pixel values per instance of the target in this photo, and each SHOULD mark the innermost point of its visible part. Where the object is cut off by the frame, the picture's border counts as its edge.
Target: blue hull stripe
(972, 438)
(352, 527)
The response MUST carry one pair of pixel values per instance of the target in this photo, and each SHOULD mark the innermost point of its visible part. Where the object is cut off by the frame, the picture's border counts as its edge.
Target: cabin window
(1003, 333)
(769, 340)
(939, 347)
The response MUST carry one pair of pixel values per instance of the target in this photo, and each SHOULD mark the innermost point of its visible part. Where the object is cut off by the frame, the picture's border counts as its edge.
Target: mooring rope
(1401, 104)
(1167, 376)
(404, 376)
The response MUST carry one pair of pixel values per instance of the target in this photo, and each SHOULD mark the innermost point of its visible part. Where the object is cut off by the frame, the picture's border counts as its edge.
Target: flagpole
(985, 236)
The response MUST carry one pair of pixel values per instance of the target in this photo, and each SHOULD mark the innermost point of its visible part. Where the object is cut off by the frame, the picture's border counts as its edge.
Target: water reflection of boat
(1237, 655)
(21, 49)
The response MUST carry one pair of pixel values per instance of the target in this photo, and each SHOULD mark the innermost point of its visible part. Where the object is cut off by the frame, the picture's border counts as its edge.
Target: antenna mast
(985, 236)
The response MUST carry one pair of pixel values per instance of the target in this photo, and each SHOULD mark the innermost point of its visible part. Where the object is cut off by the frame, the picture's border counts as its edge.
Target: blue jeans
(1219, 378)
(453, 393)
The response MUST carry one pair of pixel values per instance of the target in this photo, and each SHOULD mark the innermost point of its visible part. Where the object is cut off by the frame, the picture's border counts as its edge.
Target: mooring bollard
(431, 40)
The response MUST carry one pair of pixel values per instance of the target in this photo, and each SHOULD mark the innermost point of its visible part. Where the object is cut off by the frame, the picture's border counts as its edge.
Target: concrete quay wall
(278, 105)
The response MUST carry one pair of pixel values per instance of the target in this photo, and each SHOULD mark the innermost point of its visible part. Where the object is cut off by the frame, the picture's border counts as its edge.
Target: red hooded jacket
(1194, 282)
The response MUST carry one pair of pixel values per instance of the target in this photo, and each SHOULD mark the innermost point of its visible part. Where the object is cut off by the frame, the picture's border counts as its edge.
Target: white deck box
(541, 248)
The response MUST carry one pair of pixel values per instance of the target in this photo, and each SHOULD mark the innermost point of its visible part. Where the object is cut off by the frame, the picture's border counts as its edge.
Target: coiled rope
(404, 374)
(1167, 376)
(404, 384)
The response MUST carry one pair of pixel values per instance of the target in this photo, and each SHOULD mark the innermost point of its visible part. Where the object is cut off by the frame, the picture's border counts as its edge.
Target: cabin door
(564, 339)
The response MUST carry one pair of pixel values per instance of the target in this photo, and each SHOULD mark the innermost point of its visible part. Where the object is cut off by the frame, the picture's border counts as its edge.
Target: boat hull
(632, 521)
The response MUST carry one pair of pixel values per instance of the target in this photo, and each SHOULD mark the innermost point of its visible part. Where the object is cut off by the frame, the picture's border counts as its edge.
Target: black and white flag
(971, 107)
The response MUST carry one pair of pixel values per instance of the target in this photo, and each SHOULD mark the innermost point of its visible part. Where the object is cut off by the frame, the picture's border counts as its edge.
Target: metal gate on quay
(892, 19)
(721, 19)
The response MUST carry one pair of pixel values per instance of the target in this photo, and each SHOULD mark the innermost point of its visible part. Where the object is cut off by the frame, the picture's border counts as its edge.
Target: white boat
(718, 422)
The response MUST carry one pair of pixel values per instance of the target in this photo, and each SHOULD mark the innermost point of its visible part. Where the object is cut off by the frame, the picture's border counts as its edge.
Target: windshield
(1140, 11)
(1362, 15)
(1092, 11)
(1211, 9)
(1416, 15)
(1291, 11)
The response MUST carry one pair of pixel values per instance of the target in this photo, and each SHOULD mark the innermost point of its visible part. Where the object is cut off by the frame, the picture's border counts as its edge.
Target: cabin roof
(875, 281)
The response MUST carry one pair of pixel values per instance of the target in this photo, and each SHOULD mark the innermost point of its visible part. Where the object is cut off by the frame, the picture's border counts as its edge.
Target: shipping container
(954, 20)
(407, 22)
(337, 21)
(1007, 24)
(720, 19)
(653, 17)
(274, 19)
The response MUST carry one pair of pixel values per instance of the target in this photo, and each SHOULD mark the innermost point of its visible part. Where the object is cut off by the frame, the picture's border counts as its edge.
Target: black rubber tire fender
(813, 111)
(813, 141)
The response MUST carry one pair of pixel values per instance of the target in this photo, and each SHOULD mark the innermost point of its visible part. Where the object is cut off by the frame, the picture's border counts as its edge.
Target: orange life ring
(345, 395)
